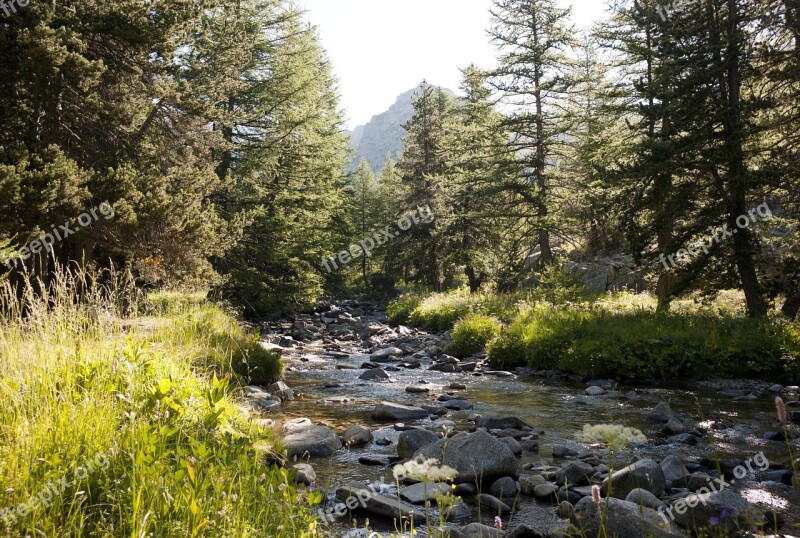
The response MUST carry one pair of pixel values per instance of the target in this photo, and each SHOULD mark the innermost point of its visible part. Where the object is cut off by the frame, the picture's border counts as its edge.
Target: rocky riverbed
(361, 397)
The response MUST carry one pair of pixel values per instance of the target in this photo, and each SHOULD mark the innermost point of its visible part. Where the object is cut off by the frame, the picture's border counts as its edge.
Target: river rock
(457, 405)
(513, 444)
(565, 510)
(675, 473)
(545, 492)
(645, 474)
(281, 390)
(506, 423)
(642, 497)
(262, 399)
(421, 492)
(305, 474)
(391, 412)
(417, 389)
(661, 413)
(594, 391)
(620, 518)
(576, 473)
(357, 435)
(376, 374)
(489, 504)
(479, 530)
(411, 441)
(528, 483)
(504, 488)
(359, 497)
(694, 511)
(316, 441)
(383, 355)
(476, 456)
(561, 451)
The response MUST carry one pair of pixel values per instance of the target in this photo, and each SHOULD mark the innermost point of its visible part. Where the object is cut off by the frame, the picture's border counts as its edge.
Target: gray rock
(489, 504)
(478, 530)
(694, 511)
(594, 391)
(661, 413)
(674, 472)
(506, 423)
(359, 497)
(476, 456)
(645, 474)
(676, 426)
(504, 488)
(391, 412)
(642, 497)
(411, 441)
(528, 483)
(465, 490)
(619, 518)
(416, 389)
(386, 353)
(458, 386)
(419, 493)
(316, 441)
(262, 399)
(376, 374)
(561, 451)
(457, 405)
(281, 390)
(576, 473)
(513, 444)
(305, 474)
(459, 512)
(357, 435)
(565, 510)
(545, 492)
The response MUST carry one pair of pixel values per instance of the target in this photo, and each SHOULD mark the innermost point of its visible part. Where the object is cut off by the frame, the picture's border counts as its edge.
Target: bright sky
(382, 48)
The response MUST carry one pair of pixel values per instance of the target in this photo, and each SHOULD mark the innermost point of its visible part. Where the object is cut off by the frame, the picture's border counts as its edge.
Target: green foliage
(596, 342)
(472, 333)
(171, 452)
(399, 311)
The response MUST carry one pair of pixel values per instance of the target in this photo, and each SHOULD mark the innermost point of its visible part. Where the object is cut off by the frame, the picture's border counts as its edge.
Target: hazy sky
(382, 48)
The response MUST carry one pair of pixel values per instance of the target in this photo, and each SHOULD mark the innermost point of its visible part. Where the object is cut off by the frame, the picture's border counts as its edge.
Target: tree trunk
(792, 304)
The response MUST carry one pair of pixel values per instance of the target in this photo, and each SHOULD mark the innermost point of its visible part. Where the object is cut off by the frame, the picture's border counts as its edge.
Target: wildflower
(596, 494)
(713, 520)
(424, 471)
(498, 523)
(781, 408)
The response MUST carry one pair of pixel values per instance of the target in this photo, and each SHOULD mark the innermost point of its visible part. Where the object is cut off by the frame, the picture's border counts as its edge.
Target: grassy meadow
(132, 426)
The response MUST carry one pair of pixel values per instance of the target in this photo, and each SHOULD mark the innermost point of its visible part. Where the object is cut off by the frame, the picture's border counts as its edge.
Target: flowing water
(328, 391)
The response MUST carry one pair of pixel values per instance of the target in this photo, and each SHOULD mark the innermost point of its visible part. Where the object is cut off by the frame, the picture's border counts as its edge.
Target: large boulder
(695, 511)
(315, 441)
(476, 457)
(359, 497)
(411, 441)
(615, 517)
(505, 423)
(645, 474)
(357, 435)
(421, 492)
(392, 412)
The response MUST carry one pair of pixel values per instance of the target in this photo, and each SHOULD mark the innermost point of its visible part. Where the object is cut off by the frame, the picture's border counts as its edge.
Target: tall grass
(148, 402)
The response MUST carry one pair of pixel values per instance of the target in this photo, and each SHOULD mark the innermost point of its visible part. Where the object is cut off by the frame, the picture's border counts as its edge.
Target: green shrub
(472, 334)
(399, 311)
(645, 344)
(259, 366)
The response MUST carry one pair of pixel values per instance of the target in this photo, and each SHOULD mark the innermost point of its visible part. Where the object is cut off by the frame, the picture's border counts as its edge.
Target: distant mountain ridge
(383, 136)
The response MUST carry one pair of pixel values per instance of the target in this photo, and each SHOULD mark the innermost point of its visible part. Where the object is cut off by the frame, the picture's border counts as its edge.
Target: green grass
(472, 334)
(151, 405)
(641, 344)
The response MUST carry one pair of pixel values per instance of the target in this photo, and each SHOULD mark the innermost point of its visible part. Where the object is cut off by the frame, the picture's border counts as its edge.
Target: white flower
(424, 471)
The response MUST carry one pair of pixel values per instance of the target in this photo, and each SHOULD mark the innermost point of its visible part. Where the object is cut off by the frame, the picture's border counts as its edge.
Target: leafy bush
(472, 333)
(399, 311)
(259, 366)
